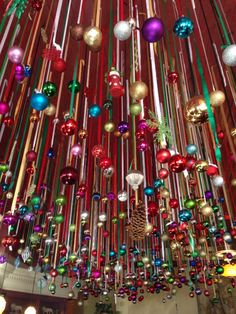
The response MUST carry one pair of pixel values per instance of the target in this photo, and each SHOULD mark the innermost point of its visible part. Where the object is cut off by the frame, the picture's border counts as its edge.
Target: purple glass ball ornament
(4, 107)
(142, 124)
(19, 69)
(208, 195)
(142, 146)
(153, 29)
(10, 219)
(3, 259)
(123, 127)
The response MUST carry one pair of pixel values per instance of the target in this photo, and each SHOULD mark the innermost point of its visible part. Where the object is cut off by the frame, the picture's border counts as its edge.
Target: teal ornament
(39, 102)
(94, 111)
(112, 254)
(148, 191)
(185, 215)
(23, 210)
(158, 183)
(49, 89)
(183, 27)
(158, 262)
(191, 149)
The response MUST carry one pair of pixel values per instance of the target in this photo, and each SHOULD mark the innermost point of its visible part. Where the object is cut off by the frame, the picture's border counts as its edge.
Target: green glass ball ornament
(73, 257)
(52, 288)
(72, 228)
(190, 203)
(215, 208)
(3, 168)
(77, 284)
(49, 89)
(76, 84)
(35, 200)
(114, 220)
(122, 215)
(220, 225)
(170, 280)
(219, 270)
(140, 264)
(135, 109)
(122, 252)
(60, 200)
(61, 270)
(195, 254)
(58, 219)
(107, 105)
(34, 238)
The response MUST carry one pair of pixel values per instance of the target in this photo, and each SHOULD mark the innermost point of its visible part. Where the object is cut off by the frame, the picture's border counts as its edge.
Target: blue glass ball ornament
(50, 153)
(158, 262)
(5, 186)
(183, 27)
(148, 191)
(96, 196)
(27, 71)
(158, 183)
(23, 210)
(191, 149)
(185, 215)
(112, 254)
(94, 111)
(39, 102)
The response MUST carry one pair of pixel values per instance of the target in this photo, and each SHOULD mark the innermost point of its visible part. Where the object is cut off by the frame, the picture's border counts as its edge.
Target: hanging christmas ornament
(50, 110)
(4, 108)
(122, 30)
(94, 111)
(163, 155)
(76, 150)
(218, 181)
(134, 178)
(177, 163)
(114, 83)
(93, 38)
(109, 126)
(19, 72)
(183, 27)
(191, 149)
(68, 127)
(69, 175)
(49, 89)
(153, 29)
(229, 55)
(173, 77)
(135, 109)
(77, 31)
(195, 110)
(217, 98)
(15, 54)
(74, 85)
(59, 65)
(138, 90)
(39, 101)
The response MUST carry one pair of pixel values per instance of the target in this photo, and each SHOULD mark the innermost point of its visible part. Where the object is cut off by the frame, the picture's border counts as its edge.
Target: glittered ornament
(185, 215)
(122, 30)
(195, 110)
(153, 29)
(77, 31)
(49, 89)
(74, 85)
(105, 162)
(94, 111)
(68, 127)
(109, 126)
(39, 101)
(138, 90)
(183, 27)
(15, 54)
(69, 175)
(37, 5)
(173, 77)
(177, 163)
(217, 98)
(123, 127)
(229, 55)
(93, 38)
(98, 151)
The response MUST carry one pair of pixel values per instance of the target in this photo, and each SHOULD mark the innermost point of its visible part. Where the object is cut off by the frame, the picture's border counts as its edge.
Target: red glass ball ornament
(173, 77)
(59, 65)
(82, 189)
(69, 175)
(151, 129)
(163, 173)
(98, 151)
(220, 135)
(53, 273)
(106, 234)
(31, 155)
(8, 121)
(105, 162)
(30, 170)
(174, 203)
(10, 241)
(183, 226)
(212, 170)
(63, 251)
(36, 5)
(68, 127)
(94, 253)
(177, 163)
(190, 162)
(152, 208)
(163, 155)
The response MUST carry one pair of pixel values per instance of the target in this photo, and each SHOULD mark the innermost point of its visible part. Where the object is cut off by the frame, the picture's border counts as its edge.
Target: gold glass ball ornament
(148, 228)
(201, 165)
(233, 182)
(77, 31)
(207, 210)
(50, 110)
(202, 240)
(93, 38)
(195, 110)
(138, 90)
(164, 193)
(109, 126)
(217, 98)
(233, 132)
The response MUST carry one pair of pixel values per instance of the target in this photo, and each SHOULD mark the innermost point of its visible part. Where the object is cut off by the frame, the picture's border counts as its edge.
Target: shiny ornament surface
(229, 55)
(39, 101)
(59, 65)
(163, 155)
(4, 107)
(183, 27)
(68, 127)
(94, 111)
(74, 85)
(177, 163)
(122, 30)
(15, 54)
(49, 89)
(135, 109)
(138, 90)
(153, 29)
(93, 38)
(69, 175)
(195, 110)
(50, 110)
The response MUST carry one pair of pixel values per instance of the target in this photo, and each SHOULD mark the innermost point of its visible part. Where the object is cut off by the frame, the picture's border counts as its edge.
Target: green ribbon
(191, 240)
(209, 110)
(222, 24)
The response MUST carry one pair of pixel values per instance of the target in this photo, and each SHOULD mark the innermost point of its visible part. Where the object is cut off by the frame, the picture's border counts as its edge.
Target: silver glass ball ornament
(229, 55)
(122, 30)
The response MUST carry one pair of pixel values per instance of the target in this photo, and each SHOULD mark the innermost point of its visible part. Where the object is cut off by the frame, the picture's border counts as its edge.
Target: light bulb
(30, 310)
(2, 304)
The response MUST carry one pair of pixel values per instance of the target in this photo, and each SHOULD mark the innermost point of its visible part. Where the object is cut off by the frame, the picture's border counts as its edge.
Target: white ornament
(122, 30)
(229, 55)
(218, 181)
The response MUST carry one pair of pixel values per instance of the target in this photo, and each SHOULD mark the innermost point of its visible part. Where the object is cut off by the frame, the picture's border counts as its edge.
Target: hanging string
(222, 24)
